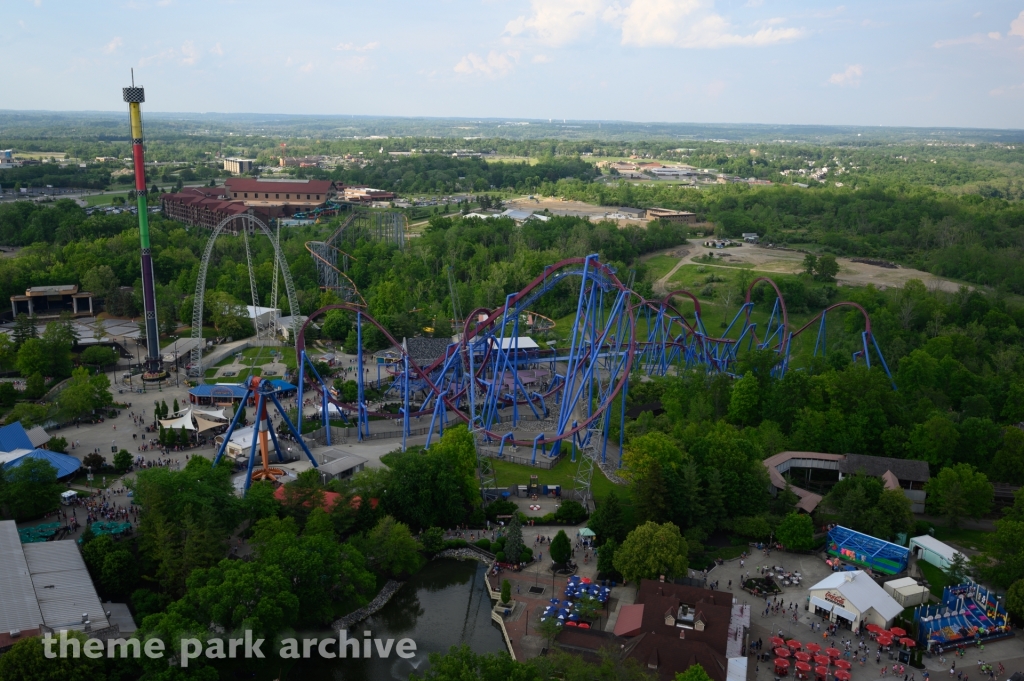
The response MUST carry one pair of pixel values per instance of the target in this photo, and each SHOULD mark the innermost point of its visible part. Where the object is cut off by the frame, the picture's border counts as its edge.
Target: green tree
(83, 393)
(433, 540)
(745, 403)
(123, 461)
(98, 356)
(959, 492)
(514, 539)
(24, 329)
(33, 358)
(810, 264)
(27, 661)
(641, 452)
(652, 494)
(694, 672)
(934, 441)
(506, 592)
(29, 414)
(1008, 462)
(561, 549)
(1014, 604)
(100, 281)
(35, 387)
(607, 521)
(259, 502)
(606, 557)
(58, 444)
(826, 268)
(796, 531)
(391, 547)
(652, 550)
(30, 489)
(460, 662)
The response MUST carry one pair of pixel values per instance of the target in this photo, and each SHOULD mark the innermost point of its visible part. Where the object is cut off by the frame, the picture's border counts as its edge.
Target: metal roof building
(44, 584)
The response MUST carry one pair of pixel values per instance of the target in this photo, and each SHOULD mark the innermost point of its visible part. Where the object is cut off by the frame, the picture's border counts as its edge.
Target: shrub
(500, 556)
(526, 556)
(571, 512)
(500, 507)
(456, 544)
(433, 540)
(484, 543)
(506, 592)
(547, 519)
(498, 544)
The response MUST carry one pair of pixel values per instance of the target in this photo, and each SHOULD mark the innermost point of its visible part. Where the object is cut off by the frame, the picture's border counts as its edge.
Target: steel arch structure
(488, 379)
(251, 222)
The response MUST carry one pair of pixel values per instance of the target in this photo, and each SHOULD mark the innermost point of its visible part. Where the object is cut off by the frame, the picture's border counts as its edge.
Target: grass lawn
(659, 265)
(936, 578)
(242, 375)
(562, 474)
(977, 540)
(104, 199)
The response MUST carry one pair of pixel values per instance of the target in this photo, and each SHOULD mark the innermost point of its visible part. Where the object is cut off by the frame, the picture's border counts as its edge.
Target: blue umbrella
(553, 601)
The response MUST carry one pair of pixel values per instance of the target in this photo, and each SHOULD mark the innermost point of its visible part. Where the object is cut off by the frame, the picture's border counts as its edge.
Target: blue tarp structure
(14, 437)
(65, 465)
(867, 551)
(969, 613)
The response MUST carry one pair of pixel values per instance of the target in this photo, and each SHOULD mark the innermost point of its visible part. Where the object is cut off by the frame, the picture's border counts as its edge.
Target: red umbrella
(822, 660)
(781, 663)
(812, 648)
(884, 639)
(843, 664)
(908, 642)
(842, 675)
(874, 628)
(794, 644)
(832, 652)
(802, 656)
(803, 666)
(776, 641)
(783, 652)
(897, 632)
(821, 671)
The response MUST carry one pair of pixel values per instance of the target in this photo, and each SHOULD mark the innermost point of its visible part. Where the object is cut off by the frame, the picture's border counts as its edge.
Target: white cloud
(1008, 90)
(643, 23)
(217, 50)
(159, 57)
(113, 45)
(753, 3)
(541, 59)
(350, 47)
(189, 54)
(306, 68)
(557, 22)
(973, 39)
(493, 66)
(851, 76)
(1017, 25)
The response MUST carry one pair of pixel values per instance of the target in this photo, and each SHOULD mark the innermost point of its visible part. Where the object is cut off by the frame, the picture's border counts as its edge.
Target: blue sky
(892, 62)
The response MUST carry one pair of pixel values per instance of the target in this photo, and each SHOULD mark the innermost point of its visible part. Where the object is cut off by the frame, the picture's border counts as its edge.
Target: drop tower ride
(153, 365)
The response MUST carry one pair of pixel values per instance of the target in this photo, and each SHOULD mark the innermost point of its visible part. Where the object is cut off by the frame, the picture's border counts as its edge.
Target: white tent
(332, 410)
(179, 422)
(210, 413)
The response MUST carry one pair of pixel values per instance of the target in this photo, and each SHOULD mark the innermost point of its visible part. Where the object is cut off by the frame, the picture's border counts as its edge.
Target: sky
(927, 63)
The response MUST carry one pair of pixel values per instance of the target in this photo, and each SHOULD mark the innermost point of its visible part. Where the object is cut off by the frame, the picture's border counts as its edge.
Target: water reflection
(445, 604)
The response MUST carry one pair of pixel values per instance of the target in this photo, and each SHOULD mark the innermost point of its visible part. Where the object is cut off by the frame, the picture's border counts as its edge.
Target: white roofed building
(931, 550)
(853, 600)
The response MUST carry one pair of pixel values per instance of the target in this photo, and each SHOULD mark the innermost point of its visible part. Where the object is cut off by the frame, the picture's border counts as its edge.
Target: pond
(443, 605)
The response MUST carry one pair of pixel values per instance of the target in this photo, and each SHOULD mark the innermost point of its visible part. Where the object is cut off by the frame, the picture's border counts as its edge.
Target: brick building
(204, 207)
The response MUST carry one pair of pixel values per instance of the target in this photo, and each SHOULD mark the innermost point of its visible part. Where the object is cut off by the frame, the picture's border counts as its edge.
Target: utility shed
(931, 550)
(907, 592)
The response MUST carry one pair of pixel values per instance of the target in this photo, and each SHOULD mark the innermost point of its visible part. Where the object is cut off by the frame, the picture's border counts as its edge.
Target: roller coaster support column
(231, 428)
(622, 423)
(405, 400)
(260, 408)
(362, 418)
(544, 448)
(294, 432)
(302, 383)
(501, 445)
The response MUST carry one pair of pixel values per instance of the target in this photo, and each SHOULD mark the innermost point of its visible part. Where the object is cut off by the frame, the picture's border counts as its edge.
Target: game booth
(866, 551)
(969, 614)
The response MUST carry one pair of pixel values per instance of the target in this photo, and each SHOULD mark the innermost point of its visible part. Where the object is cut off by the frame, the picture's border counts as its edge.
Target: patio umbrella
(554, 601)
(781, 663)
(585, 580)
(802, 656)
(897, 632)
(843, 664)
(832, 652)
(822, 660)
(842, 675)
(874, 628)
(884, 639)
(794, 644)
(776, 641)
(821, 671)
(812, 648)
(783, 652)
(908, 642)
(803, 666)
